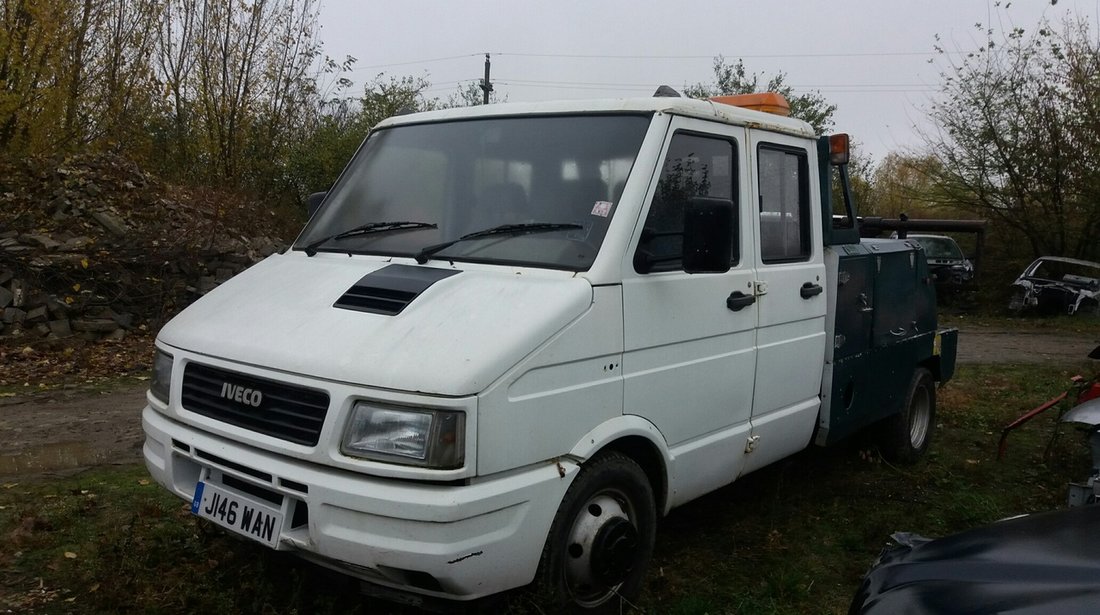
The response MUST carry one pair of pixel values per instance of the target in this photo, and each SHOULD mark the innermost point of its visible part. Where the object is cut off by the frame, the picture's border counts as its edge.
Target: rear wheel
(602, 537)
(906, 435)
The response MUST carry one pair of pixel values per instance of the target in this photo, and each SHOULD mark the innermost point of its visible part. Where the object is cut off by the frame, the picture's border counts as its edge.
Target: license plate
(240, 514)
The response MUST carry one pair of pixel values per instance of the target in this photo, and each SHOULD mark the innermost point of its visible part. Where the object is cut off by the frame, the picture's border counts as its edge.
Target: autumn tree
(34, 35)
(901, 183)
(74, 73)
(233, 93)
(810, 107)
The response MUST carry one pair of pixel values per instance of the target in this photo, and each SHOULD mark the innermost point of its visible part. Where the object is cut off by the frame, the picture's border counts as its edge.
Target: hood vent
(391, 289)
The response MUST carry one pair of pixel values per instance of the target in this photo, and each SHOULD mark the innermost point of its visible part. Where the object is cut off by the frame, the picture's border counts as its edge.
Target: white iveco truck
(512, 336)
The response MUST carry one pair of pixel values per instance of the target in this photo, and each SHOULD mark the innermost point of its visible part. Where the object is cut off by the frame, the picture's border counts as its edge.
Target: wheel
(906, 435)
(601, 539)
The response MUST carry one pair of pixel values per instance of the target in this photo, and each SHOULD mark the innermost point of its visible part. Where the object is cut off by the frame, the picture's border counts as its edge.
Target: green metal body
(885, 320)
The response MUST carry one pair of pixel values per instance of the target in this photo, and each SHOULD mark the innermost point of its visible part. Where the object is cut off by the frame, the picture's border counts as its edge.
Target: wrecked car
(945, 259)
(1057, 285)
(1031, 564)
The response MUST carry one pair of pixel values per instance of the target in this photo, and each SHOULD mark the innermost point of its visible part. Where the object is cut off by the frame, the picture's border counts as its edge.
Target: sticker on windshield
(602, 209)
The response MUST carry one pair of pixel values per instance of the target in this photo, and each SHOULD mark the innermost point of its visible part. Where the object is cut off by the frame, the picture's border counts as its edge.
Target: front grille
(272, 408)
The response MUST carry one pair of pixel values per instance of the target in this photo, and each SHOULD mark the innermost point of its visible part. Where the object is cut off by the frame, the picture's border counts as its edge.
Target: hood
(455, 333)
(1038, 564)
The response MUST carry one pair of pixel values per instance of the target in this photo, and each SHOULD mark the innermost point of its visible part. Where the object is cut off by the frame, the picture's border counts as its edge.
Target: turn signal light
(838, 149)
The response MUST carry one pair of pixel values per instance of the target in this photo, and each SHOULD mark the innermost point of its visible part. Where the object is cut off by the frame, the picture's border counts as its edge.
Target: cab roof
(687, 107)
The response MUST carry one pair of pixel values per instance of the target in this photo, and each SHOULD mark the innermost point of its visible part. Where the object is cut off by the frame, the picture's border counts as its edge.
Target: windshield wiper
(505, 229)
(367, 229)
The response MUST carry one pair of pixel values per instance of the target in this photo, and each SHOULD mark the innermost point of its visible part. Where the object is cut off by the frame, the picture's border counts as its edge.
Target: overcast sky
(869, 57)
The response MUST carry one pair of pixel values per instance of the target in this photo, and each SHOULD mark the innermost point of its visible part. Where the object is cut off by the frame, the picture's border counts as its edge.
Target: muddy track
(1001, 346)
(61, 432)
(58, 433)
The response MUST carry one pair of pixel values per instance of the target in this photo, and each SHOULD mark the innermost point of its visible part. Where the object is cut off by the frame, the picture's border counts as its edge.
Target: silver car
(1054, 284)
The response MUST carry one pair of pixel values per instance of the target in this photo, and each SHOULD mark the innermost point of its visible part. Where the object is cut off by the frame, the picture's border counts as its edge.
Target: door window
(784, 205)
(694, 166)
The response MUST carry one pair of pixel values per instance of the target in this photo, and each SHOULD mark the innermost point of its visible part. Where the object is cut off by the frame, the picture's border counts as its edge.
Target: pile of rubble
(92, 247)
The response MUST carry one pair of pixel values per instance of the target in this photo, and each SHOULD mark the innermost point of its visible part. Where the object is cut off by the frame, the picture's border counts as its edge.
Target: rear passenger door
(791, 294)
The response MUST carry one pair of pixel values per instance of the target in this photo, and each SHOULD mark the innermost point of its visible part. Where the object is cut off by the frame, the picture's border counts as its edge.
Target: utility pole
(485, 86)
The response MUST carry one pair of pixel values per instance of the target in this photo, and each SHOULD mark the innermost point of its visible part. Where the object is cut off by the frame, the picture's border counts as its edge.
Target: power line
(605, 86)
(428, 61)
(574, 87)
(865, 54)
(651, 85)
(841, 89)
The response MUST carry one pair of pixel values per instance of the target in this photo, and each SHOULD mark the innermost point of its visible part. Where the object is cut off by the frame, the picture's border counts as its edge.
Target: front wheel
(602, 537)
(906, 435)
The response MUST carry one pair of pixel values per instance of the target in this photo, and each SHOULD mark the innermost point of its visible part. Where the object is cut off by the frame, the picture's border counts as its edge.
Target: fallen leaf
(9, 485)
(84, 263)
(143, 482)
(76, 287)
(94, 588)
(70, 555)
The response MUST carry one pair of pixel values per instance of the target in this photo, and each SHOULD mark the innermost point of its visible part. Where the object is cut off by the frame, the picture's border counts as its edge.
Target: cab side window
(784, 205)
(694, 166)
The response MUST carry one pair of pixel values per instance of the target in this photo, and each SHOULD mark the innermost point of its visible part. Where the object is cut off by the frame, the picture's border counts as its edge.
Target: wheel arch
(638, 439)
(933, 365)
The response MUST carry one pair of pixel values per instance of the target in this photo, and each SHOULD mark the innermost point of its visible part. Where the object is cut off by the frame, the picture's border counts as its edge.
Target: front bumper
(457, 542)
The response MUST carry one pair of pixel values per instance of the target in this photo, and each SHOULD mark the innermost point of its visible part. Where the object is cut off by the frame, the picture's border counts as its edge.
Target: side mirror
(709, 225)
(313, 202)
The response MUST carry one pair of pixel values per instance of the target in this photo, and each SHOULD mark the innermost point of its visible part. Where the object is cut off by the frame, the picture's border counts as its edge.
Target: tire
(906, 435)
(601, 540)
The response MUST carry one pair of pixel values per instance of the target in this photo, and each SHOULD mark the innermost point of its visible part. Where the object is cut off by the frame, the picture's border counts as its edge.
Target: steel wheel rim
(580, 580)
(920, 414)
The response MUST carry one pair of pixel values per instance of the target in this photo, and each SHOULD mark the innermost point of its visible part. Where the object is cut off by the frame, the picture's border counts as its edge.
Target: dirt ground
(1002, 346)
(61, 432)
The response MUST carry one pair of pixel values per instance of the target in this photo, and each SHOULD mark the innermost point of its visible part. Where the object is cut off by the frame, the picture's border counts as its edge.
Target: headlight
(162, 376)
(420, 437)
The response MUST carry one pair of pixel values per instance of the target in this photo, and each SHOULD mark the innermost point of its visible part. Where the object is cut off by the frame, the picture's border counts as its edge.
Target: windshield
(940, 247)
(458, 178)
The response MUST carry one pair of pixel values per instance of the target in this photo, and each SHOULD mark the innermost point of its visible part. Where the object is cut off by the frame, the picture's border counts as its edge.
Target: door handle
(809, 289)
(738, 301)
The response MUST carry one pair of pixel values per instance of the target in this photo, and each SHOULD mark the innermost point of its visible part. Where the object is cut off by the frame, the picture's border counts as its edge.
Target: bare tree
(1018, 141)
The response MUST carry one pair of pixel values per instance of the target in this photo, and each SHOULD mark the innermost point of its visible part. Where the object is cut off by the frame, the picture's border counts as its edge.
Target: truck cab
(513, 336)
